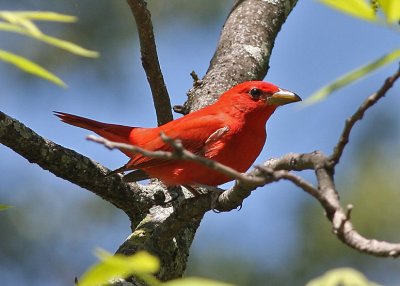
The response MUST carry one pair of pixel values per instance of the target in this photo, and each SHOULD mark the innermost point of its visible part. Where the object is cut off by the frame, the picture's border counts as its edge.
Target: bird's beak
(282, 97)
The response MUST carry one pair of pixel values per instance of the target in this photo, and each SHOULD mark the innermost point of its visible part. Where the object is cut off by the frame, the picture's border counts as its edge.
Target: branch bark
(67, 164)
(150, 61)
(168, 230)
(326, 193)
(274, 170)
(243, 54)
(278, 169)
(243, 51)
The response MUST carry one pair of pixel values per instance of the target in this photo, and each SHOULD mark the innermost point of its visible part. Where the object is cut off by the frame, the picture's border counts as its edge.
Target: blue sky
(316, 45)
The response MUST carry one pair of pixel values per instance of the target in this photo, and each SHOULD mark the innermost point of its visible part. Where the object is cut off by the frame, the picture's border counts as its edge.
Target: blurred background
(280, 237)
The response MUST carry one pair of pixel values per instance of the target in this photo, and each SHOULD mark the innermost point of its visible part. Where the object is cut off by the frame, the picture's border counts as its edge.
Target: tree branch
(243, 51)
(150, 61)
(178, 153)
(272, 170)
(276, 169)
(73, 167)
(242, 54)
(341, 225)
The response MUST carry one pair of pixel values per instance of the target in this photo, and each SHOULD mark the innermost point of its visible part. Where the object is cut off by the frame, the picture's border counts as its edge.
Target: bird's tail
(113, 132)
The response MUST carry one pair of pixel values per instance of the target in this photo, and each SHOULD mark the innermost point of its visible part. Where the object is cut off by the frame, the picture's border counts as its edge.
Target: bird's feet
(215, 193)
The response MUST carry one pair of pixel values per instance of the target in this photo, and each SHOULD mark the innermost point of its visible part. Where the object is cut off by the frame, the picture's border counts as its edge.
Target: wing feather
(199, 135)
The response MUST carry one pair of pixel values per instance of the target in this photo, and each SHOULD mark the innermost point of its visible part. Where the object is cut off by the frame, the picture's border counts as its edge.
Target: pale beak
(283, 97)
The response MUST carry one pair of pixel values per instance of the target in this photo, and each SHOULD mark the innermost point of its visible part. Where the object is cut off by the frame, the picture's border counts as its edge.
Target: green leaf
(16, 20)
(30, 67)
(342, 277)
(13, 28)
(352, 76)
(43, 16)
(141, 264)
(193, 281)
(68, 46)
(356, 8)
(391, 8)
(4, 207)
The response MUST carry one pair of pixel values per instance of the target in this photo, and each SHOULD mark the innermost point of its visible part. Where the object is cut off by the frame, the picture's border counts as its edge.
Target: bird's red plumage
(230, 131)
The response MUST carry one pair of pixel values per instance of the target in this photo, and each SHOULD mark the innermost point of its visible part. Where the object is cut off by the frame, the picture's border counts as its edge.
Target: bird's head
(255, 96)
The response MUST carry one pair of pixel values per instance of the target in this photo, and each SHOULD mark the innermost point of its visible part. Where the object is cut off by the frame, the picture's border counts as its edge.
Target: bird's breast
(239, 147)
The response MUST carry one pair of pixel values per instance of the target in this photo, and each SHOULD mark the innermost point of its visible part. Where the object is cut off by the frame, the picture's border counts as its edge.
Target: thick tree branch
(242, 54)
(244, 49)
(73, 167)
(150, 62)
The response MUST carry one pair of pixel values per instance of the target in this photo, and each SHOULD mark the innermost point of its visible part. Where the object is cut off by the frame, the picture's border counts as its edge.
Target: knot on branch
(340, 218)
(181, 109)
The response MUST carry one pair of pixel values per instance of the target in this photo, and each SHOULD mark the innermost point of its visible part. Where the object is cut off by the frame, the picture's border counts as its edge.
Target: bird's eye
(255, 93)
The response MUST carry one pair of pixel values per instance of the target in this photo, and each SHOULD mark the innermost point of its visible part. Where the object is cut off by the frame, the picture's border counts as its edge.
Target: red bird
(230, 131)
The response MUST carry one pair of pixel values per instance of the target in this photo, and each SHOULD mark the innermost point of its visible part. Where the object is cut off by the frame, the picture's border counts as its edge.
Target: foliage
(352, 76)
(4, 207)
(144, 266)
(341, 277)
(194, 281)
(22, 22)
(30, 67)
(368, 12)
(141, 265)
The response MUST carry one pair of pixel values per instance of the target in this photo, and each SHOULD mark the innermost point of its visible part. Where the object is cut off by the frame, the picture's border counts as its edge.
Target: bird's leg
(214, 201)
(214, 196)
(216, 192)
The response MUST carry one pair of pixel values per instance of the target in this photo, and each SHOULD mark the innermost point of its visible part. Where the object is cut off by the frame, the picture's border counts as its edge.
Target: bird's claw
(214, 201)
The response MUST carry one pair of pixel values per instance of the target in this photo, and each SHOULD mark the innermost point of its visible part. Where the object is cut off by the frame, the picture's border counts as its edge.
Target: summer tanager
(230, 131)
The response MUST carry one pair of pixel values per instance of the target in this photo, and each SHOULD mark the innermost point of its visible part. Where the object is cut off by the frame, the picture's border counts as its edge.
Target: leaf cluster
(144, 266)
(382, 12)
(141, 265)
(23, 23)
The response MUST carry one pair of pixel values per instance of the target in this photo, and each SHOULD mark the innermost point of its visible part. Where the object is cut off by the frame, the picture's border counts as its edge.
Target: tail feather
(113, 132)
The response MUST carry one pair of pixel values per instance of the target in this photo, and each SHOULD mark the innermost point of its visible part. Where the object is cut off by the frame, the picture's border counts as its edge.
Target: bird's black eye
(255, 93)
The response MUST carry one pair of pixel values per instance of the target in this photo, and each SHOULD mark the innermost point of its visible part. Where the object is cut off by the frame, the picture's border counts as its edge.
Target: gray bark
(167, 231)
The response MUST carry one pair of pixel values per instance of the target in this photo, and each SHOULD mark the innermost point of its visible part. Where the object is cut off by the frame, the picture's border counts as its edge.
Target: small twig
(349, 208)
(358, 115)
(181, 109)
(298, 181)
(196, 81)
(150, 61)
(135, 149)
(179, 153)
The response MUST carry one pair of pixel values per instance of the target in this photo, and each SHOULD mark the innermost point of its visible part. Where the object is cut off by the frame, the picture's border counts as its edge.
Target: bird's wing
(200, 135)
